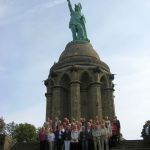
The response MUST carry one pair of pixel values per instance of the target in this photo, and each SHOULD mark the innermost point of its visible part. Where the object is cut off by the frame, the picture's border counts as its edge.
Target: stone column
(49, 85)
(56, 102)
(48, 105)
(84, 102)
(75, 93)
(105, 101)
(96, 93)
(109, 97)
(96, 104)
(75, 99)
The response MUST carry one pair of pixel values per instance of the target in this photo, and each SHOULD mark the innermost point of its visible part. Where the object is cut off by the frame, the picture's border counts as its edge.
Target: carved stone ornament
(97, 69)
(74, 68)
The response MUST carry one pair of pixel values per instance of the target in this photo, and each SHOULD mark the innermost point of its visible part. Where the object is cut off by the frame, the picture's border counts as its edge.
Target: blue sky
(33, 34)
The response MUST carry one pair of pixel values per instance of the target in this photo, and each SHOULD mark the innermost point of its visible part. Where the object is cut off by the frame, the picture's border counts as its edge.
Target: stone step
(131, 149)
(26, 146)
(132, 145)
(124, 145)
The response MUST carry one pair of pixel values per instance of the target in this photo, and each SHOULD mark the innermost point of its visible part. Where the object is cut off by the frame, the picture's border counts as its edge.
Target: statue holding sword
(77, 23)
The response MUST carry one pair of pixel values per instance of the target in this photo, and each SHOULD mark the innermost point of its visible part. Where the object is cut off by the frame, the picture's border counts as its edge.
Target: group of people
(146, 129)
(92, 134)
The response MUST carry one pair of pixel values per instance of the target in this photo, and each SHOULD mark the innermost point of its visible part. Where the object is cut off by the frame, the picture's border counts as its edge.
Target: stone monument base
(146, 139)
(5, 142)
(26, 146)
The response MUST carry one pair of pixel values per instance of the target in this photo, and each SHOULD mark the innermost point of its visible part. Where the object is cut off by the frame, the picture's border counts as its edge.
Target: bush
(2, 125)
(25, 133)
(10, 129)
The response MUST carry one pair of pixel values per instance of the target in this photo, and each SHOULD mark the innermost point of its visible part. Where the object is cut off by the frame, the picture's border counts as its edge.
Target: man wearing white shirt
(74, 138)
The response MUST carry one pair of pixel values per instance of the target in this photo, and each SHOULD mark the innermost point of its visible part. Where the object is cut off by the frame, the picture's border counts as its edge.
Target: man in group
(117, 123)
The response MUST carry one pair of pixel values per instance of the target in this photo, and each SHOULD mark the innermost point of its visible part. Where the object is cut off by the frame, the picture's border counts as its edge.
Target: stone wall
(5, 142)
(26, 146)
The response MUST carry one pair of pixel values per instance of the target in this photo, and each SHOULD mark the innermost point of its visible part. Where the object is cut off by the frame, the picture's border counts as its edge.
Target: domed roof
(79, 52)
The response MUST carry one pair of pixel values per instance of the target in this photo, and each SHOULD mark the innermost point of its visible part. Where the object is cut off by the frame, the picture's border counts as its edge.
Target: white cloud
(28, 12)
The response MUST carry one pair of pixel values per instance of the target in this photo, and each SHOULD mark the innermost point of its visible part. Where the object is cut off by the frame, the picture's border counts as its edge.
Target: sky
(33, 34)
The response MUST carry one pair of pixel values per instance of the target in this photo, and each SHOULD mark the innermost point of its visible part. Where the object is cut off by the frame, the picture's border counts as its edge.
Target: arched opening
(65, 101)
(104, 96)
(85, 80)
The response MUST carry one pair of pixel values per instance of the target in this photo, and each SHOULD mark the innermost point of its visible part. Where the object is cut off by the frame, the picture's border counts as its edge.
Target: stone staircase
(124, 145)
(132, 145)
(26, 146)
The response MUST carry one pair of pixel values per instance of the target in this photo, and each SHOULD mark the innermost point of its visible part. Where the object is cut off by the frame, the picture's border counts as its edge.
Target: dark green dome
(79, 52)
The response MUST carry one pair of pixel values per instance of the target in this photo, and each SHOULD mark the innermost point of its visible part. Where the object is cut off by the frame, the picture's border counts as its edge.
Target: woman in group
(42, 138)
(51, 138)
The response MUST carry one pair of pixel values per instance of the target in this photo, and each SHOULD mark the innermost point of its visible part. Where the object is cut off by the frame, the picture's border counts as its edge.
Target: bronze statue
(77, 23)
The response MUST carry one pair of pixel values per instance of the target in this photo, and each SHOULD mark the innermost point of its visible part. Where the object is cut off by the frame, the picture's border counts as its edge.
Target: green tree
(10, 129)
(2, 125)
(25, 133)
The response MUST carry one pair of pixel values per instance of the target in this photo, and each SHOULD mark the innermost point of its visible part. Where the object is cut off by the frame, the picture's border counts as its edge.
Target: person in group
(143, 133)
(59, 137)
(117, 122)
(147, 128)
(109, 132)
(83, 122)
(82, 134)
(67, 137)
(50, 123)
(106, 120)
(51, 138)
(104, 137)
(42, 136)
(55, 123)
(96, 136)
(114, 134)
(89, 136)
(74, 137)
(46, 125)
(83, 138)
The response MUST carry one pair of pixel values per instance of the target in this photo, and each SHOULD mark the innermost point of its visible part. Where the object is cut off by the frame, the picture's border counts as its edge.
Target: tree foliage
(2, 125)
(25, 133)
(10, 129)
(22, 132)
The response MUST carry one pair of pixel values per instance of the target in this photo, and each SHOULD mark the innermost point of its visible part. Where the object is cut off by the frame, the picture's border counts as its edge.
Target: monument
(80, 84)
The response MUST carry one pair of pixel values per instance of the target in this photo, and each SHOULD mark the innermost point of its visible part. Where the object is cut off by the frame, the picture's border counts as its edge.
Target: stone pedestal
(146, 139)
(80, 84)
(2, 141)
(5, 142)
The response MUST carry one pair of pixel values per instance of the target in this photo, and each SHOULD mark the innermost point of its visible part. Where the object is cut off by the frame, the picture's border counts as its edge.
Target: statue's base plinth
(5, 142)
(146, 139)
